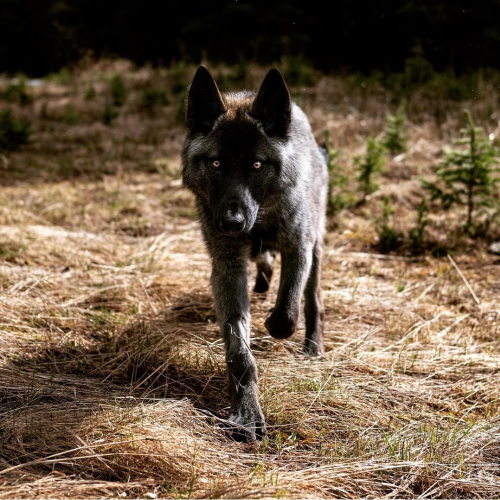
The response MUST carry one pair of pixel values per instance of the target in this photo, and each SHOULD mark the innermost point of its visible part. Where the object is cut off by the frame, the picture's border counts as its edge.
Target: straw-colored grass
(112, 368)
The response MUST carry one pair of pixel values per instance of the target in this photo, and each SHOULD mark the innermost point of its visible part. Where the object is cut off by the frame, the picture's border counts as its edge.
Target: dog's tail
(324, 152)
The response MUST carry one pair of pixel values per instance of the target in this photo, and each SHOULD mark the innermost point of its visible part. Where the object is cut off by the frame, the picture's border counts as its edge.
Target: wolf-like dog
(260, 183)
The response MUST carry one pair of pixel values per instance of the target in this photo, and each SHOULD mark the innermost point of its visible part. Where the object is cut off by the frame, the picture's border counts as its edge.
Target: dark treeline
(40, 36)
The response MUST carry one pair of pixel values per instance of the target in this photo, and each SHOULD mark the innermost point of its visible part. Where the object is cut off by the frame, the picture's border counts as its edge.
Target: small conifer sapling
(370, 166)
(468, 176)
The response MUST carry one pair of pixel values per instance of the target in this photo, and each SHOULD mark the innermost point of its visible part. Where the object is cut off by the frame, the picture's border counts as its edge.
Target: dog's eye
(257, 165)
(215, 164)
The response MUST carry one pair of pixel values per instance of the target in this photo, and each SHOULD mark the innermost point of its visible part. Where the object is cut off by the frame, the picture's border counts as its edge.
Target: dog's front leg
(295, 266)
(229, 283)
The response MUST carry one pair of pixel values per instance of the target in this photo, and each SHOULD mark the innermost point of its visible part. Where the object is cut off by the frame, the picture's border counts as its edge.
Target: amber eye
(215, 164)
(257, 165)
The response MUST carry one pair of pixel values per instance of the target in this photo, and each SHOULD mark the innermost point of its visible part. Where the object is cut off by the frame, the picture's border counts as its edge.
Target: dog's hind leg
(314, 311)
(265, 265)
(229, 283)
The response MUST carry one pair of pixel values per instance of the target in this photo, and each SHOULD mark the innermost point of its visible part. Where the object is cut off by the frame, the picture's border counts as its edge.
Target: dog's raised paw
(280, 326)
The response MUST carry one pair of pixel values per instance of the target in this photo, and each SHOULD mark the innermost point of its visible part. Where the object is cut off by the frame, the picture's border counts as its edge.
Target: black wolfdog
(260, 182)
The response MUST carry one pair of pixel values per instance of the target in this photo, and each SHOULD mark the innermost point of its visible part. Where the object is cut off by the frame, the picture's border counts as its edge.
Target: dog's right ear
(272, 106)
(204, 104)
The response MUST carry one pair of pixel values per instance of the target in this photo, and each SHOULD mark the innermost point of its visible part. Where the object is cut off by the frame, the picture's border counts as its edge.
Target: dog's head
(234, 149)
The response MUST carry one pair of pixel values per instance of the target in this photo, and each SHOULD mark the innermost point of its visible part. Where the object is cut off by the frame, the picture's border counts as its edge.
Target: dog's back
(313, 163)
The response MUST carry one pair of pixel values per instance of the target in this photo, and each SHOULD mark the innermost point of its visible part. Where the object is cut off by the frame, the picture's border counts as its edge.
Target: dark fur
(255, 213)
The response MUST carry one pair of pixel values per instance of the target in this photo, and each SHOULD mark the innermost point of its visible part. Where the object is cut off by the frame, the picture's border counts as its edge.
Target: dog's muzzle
(232, 223)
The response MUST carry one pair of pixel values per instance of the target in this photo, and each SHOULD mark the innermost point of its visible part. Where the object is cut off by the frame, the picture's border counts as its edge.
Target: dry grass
(112, 370)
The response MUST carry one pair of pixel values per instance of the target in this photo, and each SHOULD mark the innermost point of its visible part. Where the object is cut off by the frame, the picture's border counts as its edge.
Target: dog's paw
(279, 325)
(248, 425)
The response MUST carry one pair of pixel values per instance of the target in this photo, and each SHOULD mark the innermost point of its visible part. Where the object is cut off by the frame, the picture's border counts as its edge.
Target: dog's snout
(232, 222)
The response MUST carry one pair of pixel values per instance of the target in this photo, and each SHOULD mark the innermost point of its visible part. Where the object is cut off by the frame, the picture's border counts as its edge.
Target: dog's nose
(232, 223)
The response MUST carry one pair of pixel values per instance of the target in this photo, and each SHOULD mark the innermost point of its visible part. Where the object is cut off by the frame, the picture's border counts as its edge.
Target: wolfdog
(260, 184)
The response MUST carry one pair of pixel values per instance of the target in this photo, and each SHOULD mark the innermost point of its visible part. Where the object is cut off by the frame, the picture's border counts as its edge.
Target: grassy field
(112, 374)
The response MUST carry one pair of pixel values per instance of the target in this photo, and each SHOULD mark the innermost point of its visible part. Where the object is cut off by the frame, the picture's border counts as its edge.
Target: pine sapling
(469, 177)
(17, 92)
(417, 233)
(13, 133)
(388, 237)
(395, 131)
(337, 180)
(372, 164)
(109, 114)
(118, 90)
(90, 93)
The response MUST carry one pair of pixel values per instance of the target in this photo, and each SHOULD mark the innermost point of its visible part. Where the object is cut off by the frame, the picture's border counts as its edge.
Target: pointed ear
(204, 104)
(273, 106)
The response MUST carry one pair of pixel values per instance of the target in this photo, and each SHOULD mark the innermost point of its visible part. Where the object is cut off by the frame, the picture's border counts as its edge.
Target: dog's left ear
(273, 106)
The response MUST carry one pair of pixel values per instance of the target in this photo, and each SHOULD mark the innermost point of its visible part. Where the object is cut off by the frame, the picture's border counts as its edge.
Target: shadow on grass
(55, 396)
